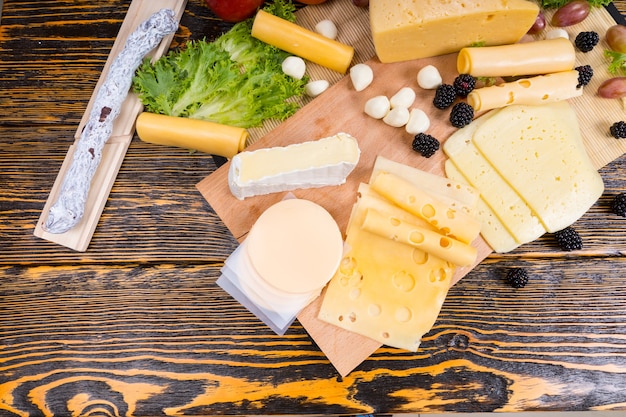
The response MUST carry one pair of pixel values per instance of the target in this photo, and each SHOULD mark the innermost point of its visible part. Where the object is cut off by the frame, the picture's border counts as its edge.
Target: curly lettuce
(235, 80)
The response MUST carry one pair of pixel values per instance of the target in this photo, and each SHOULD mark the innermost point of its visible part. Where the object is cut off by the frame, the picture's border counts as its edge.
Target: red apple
(234, 10)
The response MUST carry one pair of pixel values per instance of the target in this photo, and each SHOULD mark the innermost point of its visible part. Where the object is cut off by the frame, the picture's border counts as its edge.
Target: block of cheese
(524, 58)
(449, 221)
(493, 230)
(385, 290)
(507, 205)
(318, 163)
(407, 29)
(538, 150)
(541, 89)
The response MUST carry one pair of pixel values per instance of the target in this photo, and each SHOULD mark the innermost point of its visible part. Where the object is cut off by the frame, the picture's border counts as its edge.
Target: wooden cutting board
(340, 109)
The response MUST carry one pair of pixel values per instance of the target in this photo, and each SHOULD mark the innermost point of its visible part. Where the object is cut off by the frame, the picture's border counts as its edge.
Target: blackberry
(585, 41)
(568, 239)
(444, 96)
(464, 84)
(618, 130)
(618, 205)
(585, 73)
(425, 145)
(461, 115)
(517, 277)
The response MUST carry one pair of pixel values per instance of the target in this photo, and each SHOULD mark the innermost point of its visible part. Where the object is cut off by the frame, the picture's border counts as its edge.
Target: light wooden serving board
(79, 237)
(340, 109)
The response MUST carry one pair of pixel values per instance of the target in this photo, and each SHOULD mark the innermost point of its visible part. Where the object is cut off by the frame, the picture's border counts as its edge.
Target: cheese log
(302, 42)
(312, 164)
(456, 195)
(493, 230)
(537, 90)
(450, 222)
(194, 134)
(539, 151)
(444, 247)
(385, 290)
(407, 29)
(525, 58)
(507, 205)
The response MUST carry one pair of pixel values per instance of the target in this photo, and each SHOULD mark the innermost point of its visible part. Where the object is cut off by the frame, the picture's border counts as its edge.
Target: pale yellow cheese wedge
(409, 29)
(434, 243)
(541, 89)
(507, 205)
(515, 59)
(493, 230)
(449, 221)
(538, 150)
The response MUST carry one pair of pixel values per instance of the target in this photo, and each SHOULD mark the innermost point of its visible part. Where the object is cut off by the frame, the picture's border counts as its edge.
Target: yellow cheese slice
(493, 230)
(449, 221)
(408, 29)
(429, 241)
(507, 205)
(295, 246)
(536, 90)
(515, 59)
(456, 195)
(538, 150)
(385, 290)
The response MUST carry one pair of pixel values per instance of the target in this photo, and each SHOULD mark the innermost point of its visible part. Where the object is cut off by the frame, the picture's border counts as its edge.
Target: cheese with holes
(541, 89)
(538, 150)
(385, 290)
(449, 221)
(406, 29)
(319, 163)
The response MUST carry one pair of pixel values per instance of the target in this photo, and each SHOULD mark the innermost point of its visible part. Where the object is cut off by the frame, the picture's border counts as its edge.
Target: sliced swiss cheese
(538, 150)
(408, 29)
(319, 163)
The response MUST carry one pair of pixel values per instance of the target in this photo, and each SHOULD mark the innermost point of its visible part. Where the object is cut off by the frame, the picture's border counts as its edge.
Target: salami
(68, 209)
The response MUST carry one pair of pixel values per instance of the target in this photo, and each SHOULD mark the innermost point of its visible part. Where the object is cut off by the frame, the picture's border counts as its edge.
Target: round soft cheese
(295, 246)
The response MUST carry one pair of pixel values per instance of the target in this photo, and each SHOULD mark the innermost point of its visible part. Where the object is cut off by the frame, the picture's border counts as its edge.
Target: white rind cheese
(320, 163)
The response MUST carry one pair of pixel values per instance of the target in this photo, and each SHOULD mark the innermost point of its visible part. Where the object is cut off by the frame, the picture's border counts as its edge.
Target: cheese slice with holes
(538, 150)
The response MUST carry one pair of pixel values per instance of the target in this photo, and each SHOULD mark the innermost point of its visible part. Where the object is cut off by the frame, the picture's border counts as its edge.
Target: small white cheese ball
(429, 77)
(377, 107)
(557, 33)
(326, 28)
(419, 122)
(362, 76)
(397, 117)
(315, 88)
(294, 66)
(403, 98)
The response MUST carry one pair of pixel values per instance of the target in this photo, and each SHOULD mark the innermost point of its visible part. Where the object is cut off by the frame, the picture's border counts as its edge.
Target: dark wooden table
(136, 325)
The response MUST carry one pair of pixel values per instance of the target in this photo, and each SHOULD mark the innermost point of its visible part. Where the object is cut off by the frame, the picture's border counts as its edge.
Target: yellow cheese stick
(449, 221)
(302, 42)
(434, 243)
(541, 89)
(198, 135)
(527, 58)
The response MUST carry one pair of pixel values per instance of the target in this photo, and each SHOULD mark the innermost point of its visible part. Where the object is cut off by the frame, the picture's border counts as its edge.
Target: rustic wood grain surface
(137, 326)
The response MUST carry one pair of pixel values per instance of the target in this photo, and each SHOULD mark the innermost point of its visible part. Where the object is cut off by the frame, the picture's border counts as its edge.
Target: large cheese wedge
(408, 29)
(385, 290)
(538, 150)
(507, 205)
(319, 163)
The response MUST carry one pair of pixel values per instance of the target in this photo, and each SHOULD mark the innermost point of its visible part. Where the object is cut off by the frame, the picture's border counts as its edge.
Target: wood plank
(79, 237)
